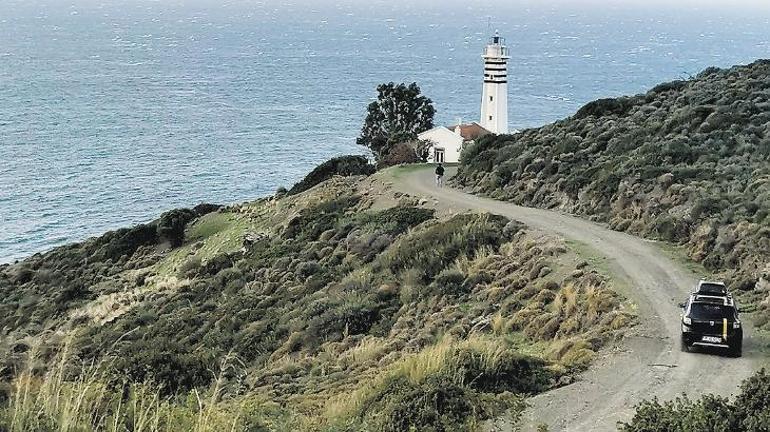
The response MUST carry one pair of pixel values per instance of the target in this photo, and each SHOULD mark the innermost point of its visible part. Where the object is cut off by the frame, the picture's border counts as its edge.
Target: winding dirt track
(648, 362)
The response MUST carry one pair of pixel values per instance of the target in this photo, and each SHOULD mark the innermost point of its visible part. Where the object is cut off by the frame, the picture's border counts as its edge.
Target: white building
(448, 142)
(494, 99)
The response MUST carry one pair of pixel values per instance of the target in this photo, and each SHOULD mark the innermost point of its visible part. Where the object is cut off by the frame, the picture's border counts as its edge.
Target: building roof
(470, 131)
(428, 132)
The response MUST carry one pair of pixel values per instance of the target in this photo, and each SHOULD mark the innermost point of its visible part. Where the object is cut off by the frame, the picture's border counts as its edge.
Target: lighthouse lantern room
(494, 99)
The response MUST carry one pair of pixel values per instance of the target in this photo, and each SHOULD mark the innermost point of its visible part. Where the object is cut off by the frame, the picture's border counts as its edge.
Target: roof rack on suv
(726, 300)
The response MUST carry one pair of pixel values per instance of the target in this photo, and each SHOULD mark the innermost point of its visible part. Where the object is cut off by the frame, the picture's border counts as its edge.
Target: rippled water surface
(112, 112)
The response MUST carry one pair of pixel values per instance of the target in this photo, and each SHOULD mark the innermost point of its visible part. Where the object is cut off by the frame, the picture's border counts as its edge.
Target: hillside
(343, 307)
(688, 162)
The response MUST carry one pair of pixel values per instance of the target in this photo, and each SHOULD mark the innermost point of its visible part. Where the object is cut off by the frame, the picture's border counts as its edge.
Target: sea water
(112, 112)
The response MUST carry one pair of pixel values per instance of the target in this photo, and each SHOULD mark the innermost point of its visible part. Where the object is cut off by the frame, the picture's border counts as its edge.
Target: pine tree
(397, 116)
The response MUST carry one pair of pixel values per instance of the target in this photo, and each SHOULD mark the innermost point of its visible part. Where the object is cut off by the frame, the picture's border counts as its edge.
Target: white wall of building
(445, 140)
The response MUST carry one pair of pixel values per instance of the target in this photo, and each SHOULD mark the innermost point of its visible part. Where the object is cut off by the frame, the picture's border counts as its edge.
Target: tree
(422, 147)
(398, 115)
(401, 153)
(405, 152)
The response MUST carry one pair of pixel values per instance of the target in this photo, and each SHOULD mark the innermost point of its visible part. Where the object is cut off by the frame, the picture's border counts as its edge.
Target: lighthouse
(494, 99)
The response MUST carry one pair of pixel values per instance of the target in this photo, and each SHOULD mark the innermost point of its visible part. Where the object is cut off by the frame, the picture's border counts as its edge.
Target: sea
(114, 111)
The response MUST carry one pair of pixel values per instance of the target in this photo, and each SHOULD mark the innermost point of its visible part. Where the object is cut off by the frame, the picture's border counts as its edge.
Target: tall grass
(72, 397)
(440, 360)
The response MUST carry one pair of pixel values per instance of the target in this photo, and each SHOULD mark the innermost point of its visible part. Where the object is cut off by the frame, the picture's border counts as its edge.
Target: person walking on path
(440, 176)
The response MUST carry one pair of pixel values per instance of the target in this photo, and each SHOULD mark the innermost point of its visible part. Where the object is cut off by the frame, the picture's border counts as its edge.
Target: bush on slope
(688, 162)
(749, 411)
(329, 300)
(341, 166)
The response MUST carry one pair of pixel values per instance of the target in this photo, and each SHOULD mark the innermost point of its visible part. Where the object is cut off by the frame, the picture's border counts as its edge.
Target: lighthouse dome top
(496, 48)
(497, 39)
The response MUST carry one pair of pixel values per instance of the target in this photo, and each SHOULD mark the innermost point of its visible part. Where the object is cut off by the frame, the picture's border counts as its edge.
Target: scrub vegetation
(315, 311)
(337, 307)
(688, 163)
(748, 411)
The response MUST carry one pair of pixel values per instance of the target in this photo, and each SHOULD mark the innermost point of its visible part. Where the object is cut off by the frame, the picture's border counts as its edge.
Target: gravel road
(648, 362)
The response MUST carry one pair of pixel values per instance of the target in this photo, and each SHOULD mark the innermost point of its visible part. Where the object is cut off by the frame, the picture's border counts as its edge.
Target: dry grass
(368, 350)
(499, 324)
(434, 360)
(53, 402)
(566, 301)
(475, 263)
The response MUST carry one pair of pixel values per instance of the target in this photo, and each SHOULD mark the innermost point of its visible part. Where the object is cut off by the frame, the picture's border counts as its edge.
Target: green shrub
(753, 402)
(126, 241)
(189, 265)
(399, 154)
(449, 386)
(338, 166)
(166, 363)
(351, 314)
(309, 268)
(709, 414)
(606, 107)
(510, 372)
(450, 282)
(315, 220)
(749, 412)
(171, 225)
(400, 218)
(432, 249)
(437, 405)
(670, 228)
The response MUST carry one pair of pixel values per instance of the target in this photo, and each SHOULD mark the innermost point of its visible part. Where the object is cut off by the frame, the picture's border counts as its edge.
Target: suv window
(705, 311)
(711, 288)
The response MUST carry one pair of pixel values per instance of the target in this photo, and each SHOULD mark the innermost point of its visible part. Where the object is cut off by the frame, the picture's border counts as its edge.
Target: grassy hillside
(688, 162)
(310, 311)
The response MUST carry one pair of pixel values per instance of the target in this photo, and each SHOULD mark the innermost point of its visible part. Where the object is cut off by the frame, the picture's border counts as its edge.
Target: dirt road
(648, 362)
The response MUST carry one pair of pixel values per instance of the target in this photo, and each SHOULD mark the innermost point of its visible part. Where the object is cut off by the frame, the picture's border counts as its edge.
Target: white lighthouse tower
(494, 99)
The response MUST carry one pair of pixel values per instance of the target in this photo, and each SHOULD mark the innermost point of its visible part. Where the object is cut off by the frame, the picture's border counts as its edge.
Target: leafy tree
(398, 115)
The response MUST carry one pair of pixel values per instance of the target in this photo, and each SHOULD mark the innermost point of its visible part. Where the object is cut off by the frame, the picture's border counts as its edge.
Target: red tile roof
(470, 131)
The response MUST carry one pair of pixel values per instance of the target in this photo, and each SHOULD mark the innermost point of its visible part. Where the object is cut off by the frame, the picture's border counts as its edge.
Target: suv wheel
(684, 346)
(736, 350)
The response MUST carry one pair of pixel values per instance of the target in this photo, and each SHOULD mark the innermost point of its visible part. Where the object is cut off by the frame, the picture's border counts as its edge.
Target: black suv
(710, 319)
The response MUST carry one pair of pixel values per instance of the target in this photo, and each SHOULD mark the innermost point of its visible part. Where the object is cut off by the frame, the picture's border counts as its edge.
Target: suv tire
(736, 350)
(683, 345)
